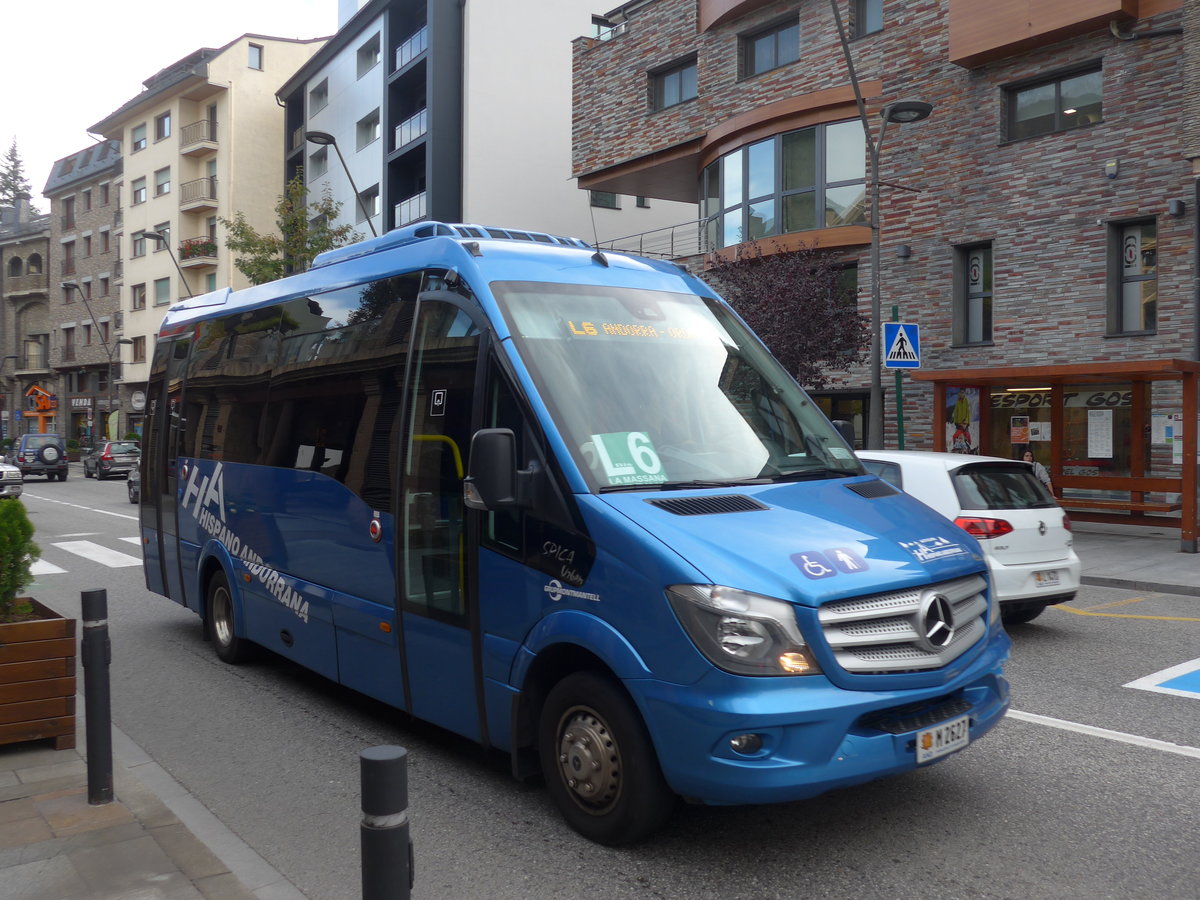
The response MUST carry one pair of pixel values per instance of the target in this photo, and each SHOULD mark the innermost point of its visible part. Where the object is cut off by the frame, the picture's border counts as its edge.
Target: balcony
(199, 195)
(198, 253)
(34, 283)
(198, 138)
(412, 48)
(410, 210)
(411, 129)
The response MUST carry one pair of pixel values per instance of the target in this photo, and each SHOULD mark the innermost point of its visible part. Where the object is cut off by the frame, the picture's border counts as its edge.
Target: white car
(1024, 534)
(10, 480)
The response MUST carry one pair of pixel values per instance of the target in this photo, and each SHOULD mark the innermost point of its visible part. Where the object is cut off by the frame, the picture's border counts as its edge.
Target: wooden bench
(1118, 505)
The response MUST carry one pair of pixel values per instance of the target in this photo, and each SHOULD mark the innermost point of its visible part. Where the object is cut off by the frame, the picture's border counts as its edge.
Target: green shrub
(72, 444)
(17, 553)
(131, 436)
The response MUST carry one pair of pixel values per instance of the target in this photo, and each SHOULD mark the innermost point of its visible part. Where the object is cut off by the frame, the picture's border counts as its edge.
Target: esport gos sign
(1098, 398)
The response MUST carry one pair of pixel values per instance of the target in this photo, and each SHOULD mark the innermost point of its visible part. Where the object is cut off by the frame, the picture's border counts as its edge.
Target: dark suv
(42, 454)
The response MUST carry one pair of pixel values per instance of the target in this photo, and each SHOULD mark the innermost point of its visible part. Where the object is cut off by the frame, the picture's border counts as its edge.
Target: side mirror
(491, 481)
(846, 430)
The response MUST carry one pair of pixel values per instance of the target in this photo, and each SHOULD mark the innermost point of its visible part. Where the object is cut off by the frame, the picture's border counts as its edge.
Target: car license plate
(942, 739)
(1046, 578)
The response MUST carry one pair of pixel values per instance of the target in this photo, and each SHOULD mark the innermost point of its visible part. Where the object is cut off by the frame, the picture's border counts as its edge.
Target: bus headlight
(742, 633)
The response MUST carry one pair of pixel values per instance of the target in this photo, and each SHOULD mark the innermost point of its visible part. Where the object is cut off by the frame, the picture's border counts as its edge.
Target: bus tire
(222, 627)
(599, 763)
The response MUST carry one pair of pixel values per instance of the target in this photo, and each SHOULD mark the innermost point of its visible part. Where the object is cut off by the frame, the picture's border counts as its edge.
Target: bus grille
(883, 633)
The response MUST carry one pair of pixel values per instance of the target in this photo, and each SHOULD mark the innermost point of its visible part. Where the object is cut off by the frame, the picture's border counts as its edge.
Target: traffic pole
(387, 852)
(96, 653)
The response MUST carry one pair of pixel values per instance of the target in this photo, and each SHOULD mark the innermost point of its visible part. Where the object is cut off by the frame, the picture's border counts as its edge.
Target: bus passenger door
(161, 485)
(439, 610)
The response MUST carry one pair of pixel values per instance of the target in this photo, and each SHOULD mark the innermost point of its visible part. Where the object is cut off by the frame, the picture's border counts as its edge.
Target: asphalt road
(1042, 807)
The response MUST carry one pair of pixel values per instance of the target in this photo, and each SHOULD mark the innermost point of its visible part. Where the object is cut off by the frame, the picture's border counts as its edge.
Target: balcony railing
(198, 251)
(411, 129)
(198, 134)
(669, 242)
(297, 138)
(24, 284)
(410, 210)
(199, 190)
(413, 47)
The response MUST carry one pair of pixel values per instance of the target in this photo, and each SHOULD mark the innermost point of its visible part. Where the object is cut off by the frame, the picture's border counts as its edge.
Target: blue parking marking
(1182, 680)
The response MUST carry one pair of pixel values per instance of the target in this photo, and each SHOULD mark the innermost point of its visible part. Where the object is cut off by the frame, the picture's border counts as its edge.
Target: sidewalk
(1138, 557)
(153, 841)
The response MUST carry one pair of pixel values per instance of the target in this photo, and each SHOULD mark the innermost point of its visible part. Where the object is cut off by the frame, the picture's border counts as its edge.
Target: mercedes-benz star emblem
(935, 622)
(1041, 528)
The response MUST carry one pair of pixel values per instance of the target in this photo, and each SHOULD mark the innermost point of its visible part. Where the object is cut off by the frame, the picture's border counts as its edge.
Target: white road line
(1135, 739)
(133, 540)
(103, 512)
(41, 567)
(96, 553)
(1154, 682)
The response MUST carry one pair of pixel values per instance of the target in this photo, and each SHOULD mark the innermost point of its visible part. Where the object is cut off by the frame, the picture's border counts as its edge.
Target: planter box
(37, 679)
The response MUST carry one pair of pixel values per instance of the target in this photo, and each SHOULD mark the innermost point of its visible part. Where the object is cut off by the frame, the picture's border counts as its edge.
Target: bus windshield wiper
(816, 472)
(705, 483)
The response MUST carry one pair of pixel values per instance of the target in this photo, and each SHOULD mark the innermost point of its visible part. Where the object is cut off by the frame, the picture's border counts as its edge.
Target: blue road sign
(901, 345)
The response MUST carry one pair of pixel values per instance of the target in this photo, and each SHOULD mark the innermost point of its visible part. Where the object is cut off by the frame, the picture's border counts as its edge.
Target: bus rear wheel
(221, 626)
(599, 763)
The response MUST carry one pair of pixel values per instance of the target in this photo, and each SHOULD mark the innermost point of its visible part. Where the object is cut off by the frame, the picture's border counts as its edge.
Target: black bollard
(96, 652)
(387, 854)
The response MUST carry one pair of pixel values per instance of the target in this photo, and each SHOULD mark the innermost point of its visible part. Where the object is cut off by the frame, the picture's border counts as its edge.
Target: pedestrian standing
(1039, 470)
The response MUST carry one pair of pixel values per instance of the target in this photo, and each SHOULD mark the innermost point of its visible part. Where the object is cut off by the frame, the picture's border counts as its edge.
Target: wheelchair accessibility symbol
(826, 563)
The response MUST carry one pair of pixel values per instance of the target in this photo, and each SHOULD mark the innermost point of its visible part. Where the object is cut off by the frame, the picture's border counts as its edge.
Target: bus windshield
(651, 389)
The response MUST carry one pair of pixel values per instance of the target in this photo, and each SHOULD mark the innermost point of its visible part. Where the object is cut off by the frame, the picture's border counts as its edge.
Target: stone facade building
(25, 323)
(85, 219)
(1044, 213)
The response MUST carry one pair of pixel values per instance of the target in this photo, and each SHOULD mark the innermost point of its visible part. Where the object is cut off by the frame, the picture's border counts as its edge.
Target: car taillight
(981, 528)
(1066, 522)
(107, 454)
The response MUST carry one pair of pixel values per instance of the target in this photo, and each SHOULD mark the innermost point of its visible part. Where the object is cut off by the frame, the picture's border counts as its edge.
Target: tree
(304, 231)
(12, 177)
(802, 304)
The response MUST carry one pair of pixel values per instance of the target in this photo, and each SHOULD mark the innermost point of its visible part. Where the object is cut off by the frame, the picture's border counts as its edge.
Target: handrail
(667, 242)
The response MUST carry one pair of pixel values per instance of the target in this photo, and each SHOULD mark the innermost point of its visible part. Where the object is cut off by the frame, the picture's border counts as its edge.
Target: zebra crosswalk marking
(114, 559)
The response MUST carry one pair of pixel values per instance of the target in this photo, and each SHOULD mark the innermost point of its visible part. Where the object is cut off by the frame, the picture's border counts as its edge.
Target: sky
(66, 64)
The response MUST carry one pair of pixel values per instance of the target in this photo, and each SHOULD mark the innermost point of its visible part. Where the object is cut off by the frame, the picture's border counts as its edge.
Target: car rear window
(37, 441)
(1000, 486)
(123, 447)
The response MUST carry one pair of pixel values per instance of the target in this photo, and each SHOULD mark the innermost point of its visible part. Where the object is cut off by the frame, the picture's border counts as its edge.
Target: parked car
(112, 458)
(10, 481)
(134, 485)
(42, 454)
(1024, 534)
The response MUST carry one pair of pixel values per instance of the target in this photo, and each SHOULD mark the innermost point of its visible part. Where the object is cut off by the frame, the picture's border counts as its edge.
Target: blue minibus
(564, 503)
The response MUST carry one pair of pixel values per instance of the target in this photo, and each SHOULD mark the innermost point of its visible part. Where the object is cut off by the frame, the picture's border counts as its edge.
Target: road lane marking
(41, 567)
(1114, 604)
(103, 512)
(1108, 615)
(114, 559)
(1182, 680)
(1135, 739)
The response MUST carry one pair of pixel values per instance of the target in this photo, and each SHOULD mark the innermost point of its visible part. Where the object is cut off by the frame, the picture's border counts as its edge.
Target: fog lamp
(746, 744)
(795, 663)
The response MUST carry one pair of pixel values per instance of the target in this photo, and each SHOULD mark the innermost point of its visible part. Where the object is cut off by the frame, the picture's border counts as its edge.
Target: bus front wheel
(599, 763)
(221, 628)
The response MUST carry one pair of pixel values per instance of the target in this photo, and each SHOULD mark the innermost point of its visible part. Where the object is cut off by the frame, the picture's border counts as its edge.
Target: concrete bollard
(96, 653)
(387, 852)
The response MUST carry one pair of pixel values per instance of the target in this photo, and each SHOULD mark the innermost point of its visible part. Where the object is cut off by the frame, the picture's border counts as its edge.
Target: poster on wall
(962, 419)
(1018, 429)
(1039, 431)
(1100, 433)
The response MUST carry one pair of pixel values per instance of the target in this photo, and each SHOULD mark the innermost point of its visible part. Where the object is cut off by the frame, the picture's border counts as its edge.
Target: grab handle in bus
(492, 480)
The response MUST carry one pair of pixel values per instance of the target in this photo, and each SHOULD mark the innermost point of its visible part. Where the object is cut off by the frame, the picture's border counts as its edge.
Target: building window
(67, 209)
(104, 286)
(137, 296)
(162, 291)
(87, 246)
(137, 138)
(771, 48)
(163, 228)
(1059, 103)
(68, 335)
(255, 60)
(162, 182)
(104, 194)
(87, 199)
(868, 17)
(139, 244)
(973, 294)
(139, 349)
(368, 129)
(1133, 278)
(368, 203)
(812, 178)
(68, 258)
(674, 85)
(643, 202)
(162, 126)
(318, 97)
(604, 199)
(210, 281)
(137, 193)
(105, 242)
(368, 56)
(318, 164)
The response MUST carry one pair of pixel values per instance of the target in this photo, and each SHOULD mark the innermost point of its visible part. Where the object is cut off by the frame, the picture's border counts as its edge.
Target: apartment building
(26, 378)
(1042, 217)
(421, 109)
(201, 143)
(84, 307)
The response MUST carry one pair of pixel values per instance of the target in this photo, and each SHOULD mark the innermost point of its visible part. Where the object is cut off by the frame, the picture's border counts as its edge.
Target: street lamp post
(108, 348)
(164, 241)
(899, 112)
(325, 139)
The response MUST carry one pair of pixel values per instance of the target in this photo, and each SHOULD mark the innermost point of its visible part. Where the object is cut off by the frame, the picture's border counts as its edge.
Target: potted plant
(37, 645)
(72, 450)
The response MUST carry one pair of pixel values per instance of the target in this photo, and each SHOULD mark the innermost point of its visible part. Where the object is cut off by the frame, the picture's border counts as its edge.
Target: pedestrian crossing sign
(901, 345)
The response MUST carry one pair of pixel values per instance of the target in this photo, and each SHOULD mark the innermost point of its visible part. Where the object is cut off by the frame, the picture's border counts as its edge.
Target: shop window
(1133, 278)
(1057, 103)
(973, 294)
